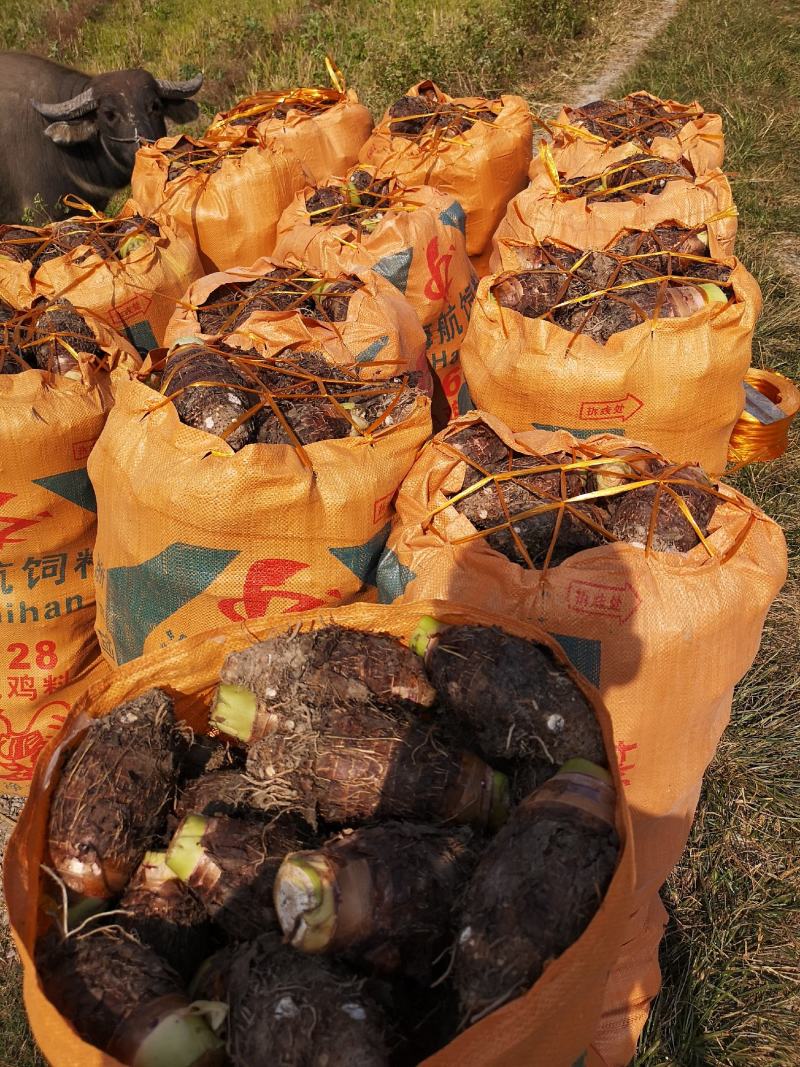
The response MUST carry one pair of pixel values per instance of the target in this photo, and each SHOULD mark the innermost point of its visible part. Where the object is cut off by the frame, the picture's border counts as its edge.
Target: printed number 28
(45, 656)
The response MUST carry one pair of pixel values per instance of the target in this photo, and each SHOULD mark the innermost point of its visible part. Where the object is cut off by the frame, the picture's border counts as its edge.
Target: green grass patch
(242, 45)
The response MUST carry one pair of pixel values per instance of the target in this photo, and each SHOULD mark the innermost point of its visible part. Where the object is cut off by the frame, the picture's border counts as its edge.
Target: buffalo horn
(179, 90)
(68, 109)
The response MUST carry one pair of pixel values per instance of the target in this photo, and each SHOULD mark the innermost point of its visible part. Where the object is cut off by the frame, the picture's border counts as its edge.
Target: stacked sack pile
(247, 367)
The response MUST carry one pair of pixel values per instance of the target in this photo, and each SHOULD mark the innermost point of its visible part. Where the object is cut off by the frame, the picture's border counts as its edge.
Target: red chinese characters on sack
(264, 582)
(19, 749)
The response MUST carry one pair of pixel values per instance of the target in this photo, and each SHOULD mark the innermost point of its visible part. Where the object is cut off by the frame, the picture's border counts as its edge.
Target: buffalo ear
(69, 133)
(180, 110)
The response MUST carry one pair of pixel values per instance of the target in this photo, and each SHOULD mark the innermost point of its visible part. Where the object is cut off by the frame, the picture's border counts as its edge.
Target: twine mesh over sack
(638, 606)
(130, 270)
(584, 137)
(649, 337)
(324, 127)
(476, 150)
(357, 319)
(635, 191)
(226, 196)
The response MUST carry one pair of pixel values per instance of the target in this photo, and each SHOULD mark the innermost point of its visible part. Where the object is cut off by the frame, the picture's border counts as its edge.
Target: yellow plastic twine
(314, 97)
(754, 441)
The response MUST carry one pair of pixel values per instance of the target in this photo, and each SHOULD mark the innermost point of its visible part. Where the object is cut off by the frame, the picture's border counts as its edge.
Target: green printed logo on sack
(140, 598)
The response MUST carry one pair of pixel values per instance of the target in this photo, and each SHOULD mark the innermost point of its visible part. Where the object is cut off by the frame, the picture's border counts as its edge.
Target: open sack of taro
(55, 367)
(243, 486)
(655, 579)
(326, 857)
(227, 196)
(650, 337)
(411, 236)
(354, 316)
(474, 149)
(323, 127)
(634, 190)
(129, 270)
(587, 138)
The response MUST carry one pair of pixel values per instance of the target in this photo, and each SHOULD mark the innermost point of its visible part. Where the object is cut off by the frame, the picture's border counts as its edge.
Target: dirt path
(612, 48)
(627, 52)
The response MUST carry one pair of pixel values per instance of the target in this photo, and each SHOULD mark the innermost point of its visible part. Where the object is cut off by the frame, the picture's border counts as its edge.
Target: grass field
(731, 959)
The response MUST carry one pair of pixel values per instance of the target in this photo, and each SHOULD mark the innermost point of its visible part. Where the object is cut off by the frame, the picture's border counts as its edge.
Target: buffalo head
(119, 110)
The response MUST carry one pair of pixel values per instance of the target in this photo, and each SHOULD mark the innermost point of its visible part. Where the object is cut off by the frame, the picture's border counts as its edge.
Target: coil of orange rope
(762, 432)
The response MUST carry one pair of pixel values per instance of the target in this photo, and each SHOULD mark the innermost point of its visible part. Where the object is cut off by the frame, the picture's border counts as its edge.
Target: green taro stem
(585, 766)
(186, 850)
(500, 804)
(181, 1039)
(425, 630)
(305, 902)
(234, 711)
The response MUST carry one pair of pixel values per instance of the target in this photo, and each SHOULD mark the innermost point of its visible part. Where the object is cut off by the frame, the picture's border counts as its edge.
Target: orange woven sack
(665, 637)
(132, 285)
(47, 529)
(323, 128)
(192, 535)
(413, 239)
(530, 1029)
(482, 167)
(380, 334)
(586, 148)
(675, 382)
(562, 209)
(228, 197)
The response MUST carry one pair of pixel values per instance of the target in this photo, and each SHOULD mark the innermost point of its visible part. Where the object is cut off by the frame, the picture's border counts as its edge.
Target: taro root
(282, 289)
(412, 116)
(517, 700)
(310, 421)
(359, 202)
(624, 516)
(12, 360)
(59, 333)
(291, 679)
(536, 887)
(684, 242)
(186, 157)
(230, 866)
(631, 513)
(295, 397)
(105, 238)
(596, 293)
(637, 118)
(357, 763)
(163, 914)
(627, 180)
(290, 1009)
(210, 980)
(123, 998)
(190, 378)
(492, 505)
(383, 895)
(220, 792)
(112, 798)
(18, 243)
(205, 754)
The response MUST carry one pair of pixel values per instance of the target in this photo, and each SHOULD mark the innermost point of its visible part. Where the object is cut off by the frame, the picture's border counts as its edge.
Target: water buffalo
(62, 131)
